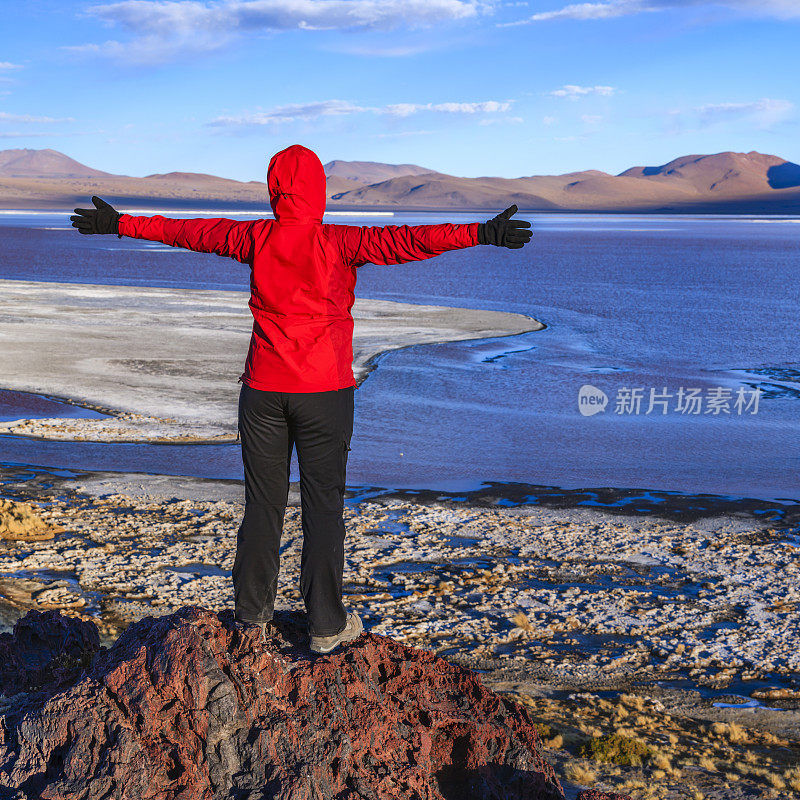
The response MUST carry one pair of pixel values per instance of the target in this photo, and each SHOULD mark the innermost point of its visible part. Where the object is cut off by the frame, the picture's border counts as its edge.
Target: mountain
(337, 185)
(44, 164)
(722, 183)
(742, 182)
(368, 172)
(436, 190)
(346, 176)
(189, 177)
(723, 173)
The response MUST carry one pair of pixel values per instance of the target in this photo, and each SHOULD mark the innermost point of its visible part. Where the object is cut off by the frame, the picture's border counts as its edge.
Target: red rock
(185, 707)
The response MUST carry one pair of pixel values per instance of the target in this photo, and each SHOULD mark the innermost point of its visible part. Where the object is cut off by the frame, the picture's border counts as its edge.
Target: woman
(298, 381)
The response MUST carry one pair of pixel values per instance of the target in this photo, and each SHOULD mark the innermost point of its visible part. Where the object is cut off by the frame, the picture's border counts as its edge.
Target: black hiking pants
(319, 425)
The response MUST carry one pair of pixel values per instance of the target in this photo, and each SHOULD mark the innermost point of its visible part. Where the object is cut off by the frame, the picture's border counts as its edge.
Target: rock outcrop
(186, 707)
(46, 651)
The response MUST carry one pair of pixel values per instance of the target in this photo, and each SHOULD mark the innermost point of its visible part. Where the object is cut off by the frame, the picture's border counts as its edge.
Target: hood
(296, 183)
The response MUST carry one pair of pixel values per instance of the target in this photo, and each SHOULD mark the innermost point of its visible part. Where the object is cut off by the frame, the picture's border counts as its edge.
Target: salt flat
(166, 362)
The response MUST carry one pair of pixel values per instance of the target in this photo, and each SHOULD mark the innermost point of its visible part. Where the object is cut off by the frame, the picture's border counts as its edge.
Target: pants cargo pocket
(343, 452)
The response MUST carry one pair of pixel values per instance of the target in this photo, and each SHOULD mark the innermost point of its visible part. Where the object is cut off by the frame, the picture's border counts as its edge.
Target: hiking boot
(352, 630)
(266, 628)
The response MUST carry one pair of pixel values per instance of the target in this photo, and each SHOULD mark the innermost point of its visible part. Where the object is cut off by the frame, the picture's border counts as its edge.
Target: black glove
(505, 232)
(100, 219)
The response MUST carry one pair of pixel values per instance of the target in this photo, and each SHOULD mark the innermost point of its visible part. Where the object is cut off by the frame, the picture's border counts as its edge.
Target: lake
(687, 325)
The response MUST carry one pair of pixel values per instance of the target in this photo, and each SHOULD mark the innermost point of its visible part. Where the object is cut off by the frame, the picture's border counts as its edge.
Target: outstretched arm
(395, 244)
(225, 237)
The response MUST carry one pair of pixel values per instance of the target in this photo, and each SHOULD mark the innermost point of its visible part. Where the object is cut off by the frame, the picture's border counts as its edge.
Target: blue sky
(466, 87)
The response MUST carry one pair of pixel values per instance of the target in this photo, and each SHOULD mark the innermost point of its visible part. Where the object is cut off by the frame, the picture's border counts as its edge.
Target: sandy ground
(601, 623)
(166, 362)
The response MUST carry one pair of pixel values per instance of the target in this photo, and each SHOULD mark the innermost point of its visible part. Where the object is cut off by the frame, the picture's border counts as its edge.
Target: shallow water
(631, 302)
(25, 405)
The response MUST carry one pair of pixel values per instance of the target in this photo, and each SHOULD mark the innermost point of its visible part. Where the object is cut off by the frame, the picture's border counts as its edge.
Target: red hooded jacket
(303, 272)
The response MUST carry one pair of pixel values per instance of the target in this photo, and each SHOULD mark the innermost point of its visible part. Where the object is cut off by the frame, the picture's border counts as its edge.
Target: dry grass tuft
(661, 761)
(578, 773)
(521, 621)
(731, 731)
(632, 700)
(792, 777)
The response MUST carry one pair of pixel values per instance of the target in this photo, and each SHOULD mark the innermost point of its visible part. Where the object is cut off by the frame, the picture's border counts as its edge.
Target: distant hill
(368, 172)
(44, 164)
(187, 177)
(346, 176)
(337, 185)
(743, 182)
(723, 182)
(724, 173)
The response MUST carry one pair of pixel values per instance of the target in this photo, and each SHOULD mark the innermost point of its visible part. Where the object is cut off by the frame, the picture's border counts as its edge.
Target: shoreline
(733, 208)
(668, 506)
(164, 363)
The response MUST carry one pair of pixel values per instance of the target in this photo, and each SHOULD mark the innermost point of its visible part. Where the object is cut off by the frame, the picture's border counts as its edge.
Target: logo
(591, 400)
(719, 401)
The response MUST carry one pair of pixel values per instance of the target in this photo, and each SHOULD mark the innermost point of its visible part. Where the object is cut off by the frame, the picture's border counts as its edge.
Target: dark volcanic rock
(46, 650)
(186, 707)
(594, 794)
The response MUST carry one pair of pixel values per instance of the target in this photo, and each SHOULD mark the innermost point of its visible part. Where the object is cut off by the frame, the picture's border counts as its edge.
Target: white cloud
(591, 119)
(589, 11)
(573, 92)
(382, 51)
(290, 113)
(165, 29)
(502, 121)
(23, 135)
(487, 107)
(26, 118)
(780, 9)
(7, 66)
(300, 112)
(549, 120)
(153, 49)
(152, 16)
(765, 113)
